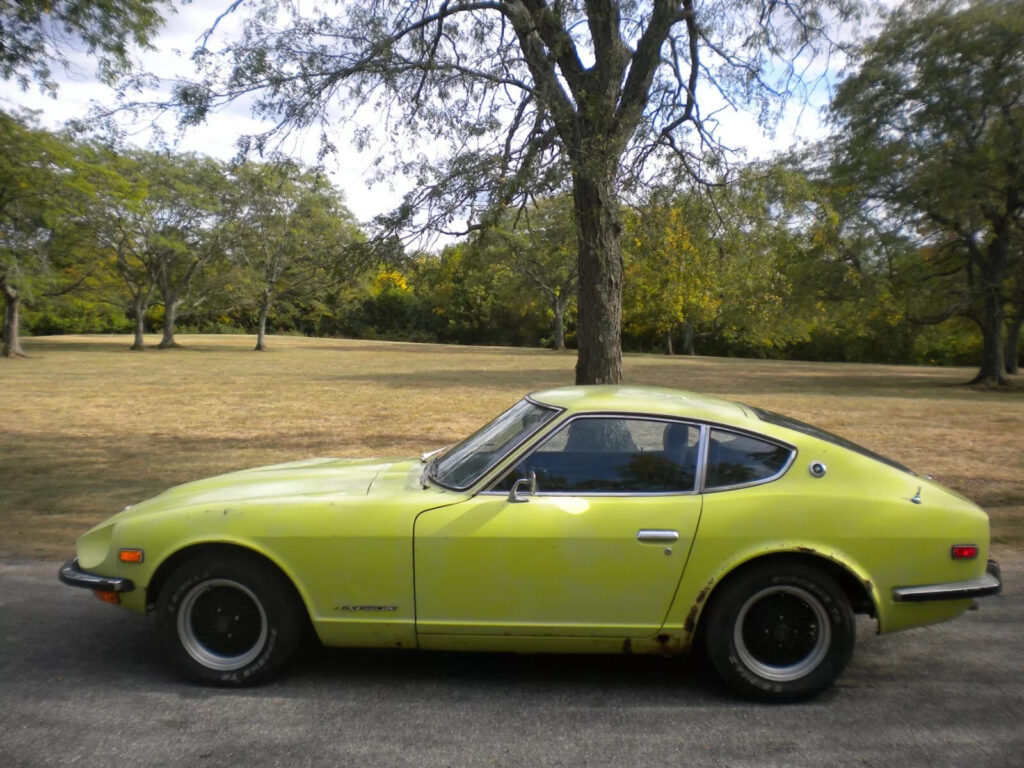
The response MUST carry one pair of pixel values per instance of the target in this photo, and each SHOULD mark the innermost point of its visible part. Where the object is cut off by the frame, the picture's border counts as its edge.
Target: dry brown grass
(89, 426)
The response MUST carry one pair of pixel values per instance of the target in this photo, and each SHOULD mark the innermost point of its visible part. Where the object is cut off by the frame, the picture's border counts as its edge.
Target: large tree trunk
(992, 368)
(1013, 343)
(689, 338)
(12, 305)
(139, 308)
(261, 326)
(600, 274)
(170, 316)
(668, 342)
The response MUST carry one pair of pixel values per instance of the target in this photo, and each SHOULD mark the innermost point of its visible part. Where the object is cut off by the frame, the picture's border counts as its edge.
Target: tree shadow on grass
(59, 486)
(524, 379)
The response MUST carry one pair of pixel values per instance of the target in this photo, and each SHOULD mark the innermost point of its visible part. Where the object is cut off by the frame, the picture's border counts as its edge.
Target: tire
(228, 620)
(780, 632)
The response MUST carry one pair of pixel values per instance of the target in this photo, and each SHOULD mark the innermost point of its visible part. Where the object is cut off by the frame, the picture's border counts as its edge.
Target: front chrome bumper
(72, 575)
(990, 584)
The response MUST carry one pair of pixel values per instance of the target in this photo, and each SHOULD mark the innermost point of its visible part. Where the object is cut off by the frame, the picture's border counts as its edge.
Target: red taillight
(965, 551)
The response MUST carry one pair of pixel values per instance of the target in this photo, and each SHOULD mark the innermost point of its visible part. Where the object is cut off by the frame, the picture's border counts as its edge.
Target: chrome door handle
(656, 536)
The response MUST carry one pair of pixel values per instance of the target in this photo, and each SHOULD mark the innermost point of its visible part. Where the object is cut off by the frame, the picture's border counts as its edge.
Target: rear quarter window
(736, 459)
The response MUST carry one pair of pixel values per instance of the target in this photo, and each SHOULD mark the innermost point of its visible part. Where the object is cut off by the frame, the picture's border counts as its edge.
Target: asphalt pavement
(83, 684)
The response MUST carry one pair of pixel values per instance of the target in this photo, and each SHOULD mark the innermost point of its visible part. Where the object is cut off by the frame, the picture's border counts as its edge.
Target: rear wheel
(780, 632)
(228, 620)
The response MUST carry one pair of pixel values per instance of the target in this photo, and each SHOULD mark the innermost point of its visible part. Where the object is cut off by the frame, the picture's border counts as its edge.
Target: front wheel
(780, 632)
(228, 620)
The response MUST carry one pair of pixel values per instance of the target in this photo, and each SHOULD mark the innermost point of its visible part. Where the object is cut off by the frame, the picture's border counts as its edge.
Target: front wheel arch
(212, 549)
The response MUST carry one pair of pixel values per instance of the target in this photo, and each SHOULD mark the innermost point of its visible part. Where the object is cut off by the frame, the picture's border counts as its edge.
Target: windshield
(790, 423)
(467, 462)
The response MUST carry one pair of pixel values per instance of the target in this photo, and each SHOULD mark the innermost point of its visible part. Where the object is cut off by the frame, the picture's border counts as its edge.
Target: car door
(597, 550)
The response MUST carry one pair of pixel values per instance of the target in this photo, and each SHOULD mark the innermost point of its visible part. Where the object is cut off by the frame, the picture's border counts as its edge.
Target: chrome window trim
(595, 494)
(793, 451)
(557, 411)
(559, 426)
(702, 457)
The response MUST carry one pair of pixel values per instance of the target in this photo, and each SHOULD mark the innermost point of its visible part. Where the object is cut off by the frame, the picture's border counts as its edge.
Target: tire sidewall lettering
(726, 613)
(269, 589)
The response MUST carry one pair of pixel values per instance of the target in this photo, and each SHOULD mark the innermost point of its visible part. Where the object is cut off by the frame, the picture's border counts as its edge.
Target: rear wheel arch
(856, 591)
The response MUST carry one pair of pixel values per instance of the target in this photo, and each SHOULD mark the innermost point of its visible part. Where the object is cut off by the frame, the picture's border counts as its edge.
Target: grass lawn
(89, 427)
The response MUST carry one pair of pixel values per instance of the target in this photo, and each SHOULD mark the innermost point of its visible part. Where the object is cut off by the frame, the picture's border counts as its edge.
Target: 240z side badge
(384, 608)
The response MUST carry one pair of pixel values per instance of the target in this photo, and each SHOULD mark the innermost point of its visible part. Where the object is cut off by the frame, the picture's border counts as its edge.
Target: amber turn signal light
(107, 597)
(130, 556)
(965, 551)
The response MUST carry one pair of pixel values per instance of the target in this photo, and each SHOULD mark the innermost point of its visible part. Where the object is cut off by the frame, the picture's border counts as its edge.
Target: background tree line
(99, 239)
(899, 238)
(772, 262)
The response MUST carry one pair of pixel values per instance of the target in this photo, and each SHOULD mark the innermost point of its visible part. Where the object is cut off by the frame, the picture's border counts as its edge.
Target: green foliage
(931, 136)
(45, 189)
(722, 264)
(76, 314)
(669, 280)
(519, 99)
(535, 250)
(288, 233)
(776, 261)
(35, 35)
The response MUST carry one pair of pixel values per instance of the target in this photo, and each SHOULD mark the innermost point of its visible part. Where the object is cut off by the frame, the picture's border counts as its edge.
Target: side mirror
(522, 485)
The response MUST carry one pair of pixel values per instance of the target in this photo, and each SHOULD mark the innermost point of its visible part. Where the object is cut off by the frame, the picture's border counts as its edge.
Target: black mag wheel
(228, 620)
(780, 632)
(222, 624)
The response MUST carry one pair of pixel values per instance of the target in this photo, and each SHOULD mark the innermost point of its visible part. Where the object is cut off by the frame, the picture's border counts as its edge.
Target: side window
(735, 459)
(613, 455)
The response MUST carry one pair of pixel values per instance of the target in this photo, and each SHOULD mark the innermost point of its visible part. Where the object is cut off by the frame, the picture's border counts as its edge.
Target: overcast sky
(348, 170)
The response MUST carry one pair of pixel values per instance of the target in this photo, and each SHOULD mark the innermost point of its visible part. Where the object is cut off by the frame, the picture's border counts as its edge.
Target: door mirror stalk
(525, 485)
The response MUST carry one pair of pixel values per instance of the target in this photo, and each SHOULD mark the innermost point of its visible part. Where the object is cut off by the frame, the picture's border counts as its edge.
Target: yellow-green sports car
(608, 519)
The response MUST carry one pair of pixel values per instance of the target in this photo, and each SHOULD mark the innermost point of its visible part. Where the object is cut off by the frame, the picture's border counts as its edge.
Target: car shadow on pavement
(586, 679)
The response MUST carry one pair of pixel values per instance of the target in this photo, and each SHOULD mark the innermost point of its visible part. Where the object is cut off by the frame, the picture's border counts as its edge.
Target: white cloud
(79, 91)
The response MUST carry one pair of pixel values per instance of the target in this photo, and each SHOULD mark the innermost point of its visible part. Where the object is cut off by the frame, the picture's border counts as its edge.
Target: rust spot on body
(691, 618)
(670, 645)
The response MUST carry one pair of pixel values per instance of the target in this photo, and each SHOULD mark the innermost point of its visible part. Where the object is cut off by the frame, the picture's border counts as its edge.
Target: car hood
(313, 477)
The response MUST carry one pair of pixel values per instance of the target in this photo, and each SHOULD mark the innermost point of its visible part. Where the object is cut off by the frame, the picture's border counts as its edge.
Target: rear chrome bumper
(990, 584)
(72, 575)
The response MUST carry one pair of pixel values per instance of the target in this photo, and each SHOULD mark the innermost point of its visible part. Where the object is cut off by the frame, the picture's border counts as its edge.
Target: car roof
(659, 401)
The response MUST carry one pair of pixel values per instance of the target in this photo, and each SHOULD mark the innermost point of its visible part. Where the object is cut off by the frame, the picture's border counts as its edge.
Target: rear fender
(693, 596)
